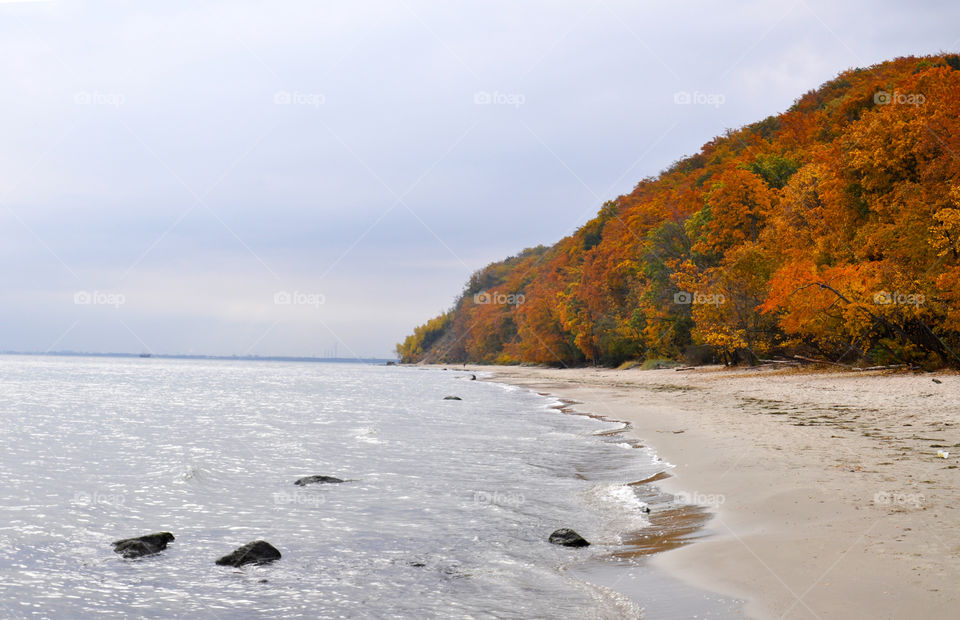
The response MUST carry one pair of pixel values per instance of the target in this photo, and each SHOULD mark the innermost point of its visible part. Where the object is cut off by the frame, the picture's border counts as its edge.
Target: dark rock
(142, 545)
(302, 482)
(937, 381)
(452, 398)
(568, 538)
(256, 552)
(473, 377)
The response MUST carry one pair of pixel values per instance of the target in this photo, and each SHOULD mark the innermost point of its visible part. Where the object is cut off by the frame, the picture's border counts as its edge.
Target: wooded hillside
(831, 230)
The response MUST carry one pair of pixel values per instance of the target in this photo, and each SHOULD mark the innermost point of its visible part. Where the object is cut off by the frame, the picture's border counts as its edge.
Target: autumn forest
(831, 231)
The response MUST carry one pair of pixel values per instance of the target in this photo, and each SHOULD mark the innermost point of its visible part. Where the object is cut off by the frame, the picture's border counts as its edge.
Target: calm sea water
(446, 515)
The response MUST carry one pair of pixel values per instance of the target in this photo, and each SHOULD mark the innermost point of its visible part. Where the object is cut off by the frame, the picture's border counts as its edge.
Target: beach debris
(302, 482)
(256, 552)
(142, 545)
(943, 454)
(452, 398)
(568, 538)
(938, 381)
(811, 360)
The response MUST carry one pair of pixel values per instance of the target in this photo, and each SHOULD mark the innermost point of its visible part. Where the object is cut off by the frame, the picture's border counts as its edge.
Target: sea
(445, 511)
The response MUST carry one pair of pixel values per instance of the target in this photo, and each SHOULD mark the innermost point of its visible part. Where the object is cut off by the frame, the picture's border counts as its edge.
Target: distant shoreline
(828, 494)
(239, 358)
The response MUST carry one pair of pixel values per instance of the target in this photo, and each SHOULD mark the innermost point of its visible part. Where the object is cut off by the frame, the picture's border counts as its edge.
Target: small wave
(190, 472)
(626, 494)
(366, 434)
(623, 511)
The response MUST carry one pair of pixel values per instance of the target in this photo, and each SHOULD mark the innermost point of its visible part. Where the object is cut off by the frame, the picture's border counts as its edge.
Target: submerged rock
(302, 482)
(256, 552)
(452, 398)
(568, 538)
(142, 545)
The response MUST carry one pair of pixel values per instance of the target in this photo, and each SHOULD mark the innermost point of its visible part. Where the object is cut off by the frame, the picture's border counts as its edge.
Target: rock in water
(452, 398)
(142, 545)
(302, 482)
(256, 552)
(568, 538)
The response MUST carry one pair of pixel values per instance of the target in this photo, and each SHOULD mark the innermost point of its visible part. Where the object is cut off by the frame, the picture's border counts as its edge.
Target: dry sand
(830, 499)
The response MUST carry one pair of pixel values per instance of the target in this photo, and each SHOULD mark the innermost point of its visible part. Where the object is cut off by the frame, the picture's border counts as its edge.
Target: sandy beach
(828, 495)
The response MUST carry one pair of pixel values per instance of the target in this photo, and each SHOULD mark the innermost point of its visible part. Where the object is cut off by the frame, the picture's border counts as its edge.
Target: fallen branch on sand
(810, 360)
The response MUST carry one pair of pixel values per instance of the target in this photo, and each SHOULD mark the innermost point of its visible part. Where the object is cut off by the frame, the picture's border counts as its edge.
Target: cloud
(145, 149)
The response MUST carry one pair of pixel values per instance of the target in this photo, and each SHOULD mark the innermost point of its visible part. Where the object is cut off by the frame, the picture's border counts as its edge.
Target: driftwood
(771, 365)
(849, 367)
(680, 368)
(827, 362)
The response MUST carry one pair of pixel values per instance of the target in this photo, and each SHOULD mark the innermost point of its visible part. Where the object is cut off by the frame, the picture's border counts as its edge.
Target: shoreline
(827, 494)
(670, 526)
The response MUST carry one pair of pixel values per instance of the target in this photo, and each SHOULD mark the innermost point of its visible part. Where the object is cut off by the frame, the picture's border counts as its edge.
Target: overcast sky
(282, 177)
